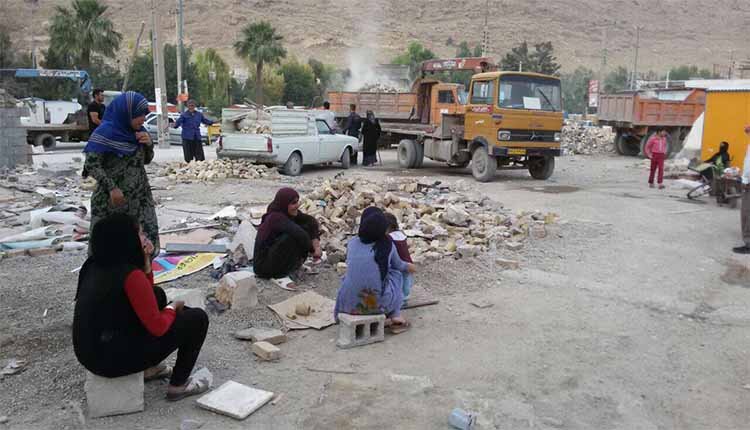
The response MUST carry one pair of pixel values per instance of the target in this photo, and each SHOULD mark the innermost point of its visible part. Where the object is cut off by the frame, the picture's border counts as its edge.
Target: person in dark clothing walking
(371, 132)
(96, 110)
(352, 127)
(122, 323)
(286, 237)
(192, 142)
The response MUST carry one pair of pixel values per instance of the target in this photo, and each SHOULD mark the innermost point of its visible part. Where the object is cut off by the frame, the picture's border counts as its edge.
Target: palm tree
(260, 45)
(84, 30)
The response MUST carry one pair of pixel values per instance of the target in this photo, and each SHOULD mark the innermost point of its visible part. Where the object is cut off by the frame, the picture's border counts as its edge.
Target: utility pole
(635, 60)
(160, 87)
(133, 57)
(605, 43)
(486, 33)
(180, 86)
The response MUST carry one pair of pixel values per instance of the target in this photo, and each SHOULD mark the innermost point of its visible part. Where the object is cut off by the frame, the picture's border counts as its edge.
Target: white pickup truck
(297, 138)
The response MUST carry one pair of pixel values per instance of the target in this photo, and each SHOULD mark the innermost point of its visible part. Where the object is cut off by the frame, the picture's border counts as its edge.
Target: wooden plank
(195, 247)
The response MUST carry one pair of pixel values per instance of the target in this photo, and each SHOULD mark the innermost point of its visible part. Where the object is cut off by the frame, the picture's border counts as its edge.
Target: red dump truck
(634, 116)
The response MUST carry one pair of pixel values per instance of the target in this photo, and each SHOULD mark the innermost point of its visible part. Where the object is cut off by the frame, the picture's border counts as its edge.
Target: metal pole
(180, 87)
(133, 57)
(635, 60)
(159, 81)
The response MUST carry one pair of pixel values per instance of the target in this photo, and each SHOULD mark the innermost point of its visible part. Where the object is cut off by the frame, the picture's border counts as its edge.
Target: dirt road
(620, 319)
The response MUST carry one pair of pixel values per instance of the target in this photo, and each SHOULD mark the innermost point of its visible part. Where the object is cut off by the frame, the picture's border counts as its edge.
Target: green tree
(83, 30)
(685, 72)
(478, 51)
(324, 75)
(7, 55)
(617, 80)
(463, 50)
(142, 74)
(273, 87)
(259, 44)
(575, 89)
(541, 60)
(213, 79)
(415, 54)
(299, 83)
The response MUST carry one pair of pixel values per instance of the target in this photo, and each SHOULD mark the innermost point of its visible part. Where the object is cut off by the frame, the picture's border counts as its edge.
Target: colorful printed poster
(170, 267)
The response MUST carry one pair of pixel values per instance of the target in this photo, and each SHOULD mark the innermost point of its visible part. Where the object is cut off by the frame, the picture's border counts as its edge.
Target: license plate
(516, 152)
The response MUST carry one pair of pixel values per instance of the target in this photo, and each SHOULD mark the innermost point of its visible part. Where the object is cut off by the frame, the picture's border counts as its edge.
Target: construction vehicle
(636, 115)
(40, 129)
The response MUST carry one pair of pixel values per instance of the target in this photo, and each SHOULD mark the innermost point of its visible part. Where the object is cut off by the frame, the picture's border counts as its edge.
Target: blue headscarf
(115, 134)
(372, 230)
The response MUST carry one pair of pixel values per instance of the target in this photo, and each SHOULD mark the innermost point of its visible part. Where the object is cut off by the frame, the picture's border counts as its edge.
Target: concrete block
(235, 400)
(113, 396)
(358, 330)
(238, 289)
(193, 298)
(514, 246)
(254, 334)
(266, 351)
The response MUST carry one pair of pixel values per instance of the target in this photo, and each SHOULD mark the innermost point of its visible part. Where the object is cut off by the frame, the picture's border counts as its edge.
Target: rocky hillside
(343, 31)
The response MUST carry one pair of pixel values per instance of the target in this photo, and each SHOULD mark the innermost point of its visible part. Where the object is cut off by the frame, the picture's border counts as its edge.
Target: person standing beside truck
(192, 142)
(96, 110)
(745, 211)
(371, 132)
(656, 150)
(329, 117)
(352, 126)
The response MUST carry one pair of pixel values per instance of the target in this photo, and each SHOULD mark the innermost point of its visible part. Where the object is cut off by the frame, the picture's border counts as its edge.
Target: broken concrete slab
(255, 334)
(238, 289)
(467, 251)
(235, 400)
(266, 351)
(113, 396)
(57, 171)
(193, 298)
(245, 236)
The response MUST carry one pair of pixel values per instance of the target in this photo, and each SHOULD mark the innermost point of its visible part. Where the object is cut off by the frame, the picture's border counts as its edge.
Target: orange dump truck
(634, 116)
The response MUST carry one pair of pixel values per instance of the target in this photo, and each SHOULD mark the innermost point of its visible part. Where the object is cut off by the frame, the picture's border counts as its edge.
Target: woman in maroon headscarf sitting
(286, 237)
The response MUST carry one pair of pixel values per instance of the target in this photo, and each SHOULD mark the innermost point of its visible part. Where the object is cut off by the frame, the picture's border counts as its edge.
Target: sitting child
(399, 240)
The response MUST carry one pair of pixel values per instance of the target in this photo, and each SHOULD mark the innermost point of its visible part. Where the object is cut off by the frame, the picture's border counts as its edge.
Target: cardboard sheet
(321, 317)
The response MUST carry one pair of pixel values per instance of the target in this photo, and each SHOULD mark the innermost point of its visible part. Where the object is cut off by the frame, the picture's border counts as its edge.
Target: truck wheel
(293, 166)
(618, 141)
(407, 153)
(46, 140)
(483, 165)
(626, 146)
(346, 159)
(420, 155)
(541, 167)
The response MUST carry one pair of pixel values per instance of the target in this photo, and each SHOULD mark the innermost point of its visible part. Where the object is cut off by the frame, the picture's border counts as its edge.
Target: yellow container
(214, 131)
(727, 114)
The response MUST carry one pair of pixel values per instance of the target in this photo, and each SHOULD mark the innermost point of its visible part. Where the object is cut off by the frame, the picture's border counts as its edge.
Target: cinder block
(266, 351)
(358, 330)
(113, 396)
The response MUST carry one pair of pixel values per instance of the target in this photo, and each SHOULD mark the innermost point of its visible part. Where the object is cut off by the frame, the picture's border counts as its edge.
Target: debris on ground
(580, 139)
(14, 366)
(437, 220)
(214, 170)
(235, 400)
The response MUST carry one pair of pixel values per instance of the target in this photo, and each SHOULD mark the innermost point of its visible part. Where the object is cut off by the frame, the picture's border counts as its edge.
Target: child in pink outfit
(656, 150)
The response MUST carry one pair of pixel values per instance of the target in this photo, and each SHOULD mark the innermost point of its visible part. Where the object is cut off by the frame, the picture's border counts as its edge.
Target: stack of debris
(378, 87)
(216, 170)
(438, 221)
(580, 139)
(253, 121)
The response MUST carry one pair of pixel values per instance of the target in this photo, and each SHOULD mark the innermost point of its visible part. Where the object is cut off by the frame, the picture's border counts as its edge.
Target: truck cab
(435, 99)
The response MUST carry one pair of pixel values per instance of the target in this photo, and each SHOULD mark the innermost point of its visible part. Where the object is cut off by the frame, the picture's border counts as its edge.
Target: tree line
(82, 37)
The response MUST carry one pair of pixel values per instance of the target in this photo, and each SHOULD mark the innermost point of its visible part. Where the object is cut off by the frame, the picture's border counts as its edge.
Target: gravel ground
(618, 319)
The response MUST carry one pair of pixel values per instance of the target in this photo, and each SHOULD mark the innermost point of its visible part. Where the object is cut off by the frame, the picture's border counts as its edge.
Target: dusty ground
(619, 319)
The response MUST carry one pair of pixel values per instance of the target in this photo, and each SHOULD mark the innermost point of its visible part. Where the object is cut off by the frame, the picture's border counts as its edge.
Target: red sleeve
(139, 288)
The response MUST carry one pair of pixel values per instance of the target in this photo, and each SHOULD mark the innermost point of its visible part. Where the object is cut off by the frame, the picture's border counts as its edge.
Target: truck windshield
(528, 92)
(463, 95)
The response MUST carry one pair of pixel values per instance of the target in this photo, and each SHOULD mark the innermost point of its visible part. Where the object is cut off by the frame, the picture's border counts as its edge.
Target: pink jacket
(656, 145)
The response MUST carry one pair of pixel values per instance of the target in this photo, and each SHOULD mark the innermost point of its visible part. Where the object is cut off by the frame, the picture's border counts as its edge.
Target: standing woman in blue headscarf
(116, 154)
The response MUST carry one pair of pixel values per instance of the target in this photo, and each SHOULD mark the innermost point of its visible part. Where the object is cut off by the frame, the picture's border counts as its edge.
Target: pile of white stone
(438, 221)
(197, 171)
(579, 139)
(378, 87)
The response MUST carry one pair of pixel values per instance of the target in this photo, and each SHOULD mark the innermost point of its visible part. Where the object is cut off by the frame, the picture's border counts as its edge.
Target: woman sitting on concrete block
(122, 323)
(373, 280)
(286, 237)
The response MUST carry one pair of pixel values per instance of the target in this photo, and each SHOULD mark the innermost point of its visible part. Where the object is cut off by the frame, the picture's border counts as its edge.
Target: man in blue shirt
(192, 143)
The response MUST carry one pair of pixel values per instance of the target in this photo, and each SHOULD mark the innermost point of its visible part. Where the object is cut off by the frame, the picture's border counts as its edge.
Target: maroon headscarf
(277, 210)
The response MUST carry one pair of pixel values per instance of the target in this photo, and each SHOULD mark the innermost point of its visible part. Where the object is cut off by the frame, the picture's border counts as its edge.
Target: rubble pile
(217, 170)
(253, 121)
(578, 139)
(438, 221)
(378, 87)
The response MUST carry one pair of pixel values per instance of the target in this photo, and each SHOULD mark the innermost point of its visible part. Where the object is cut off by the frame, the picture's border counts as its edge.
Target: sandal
(193, 388)
(285, 283)
(398, 328)
(164, 371)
